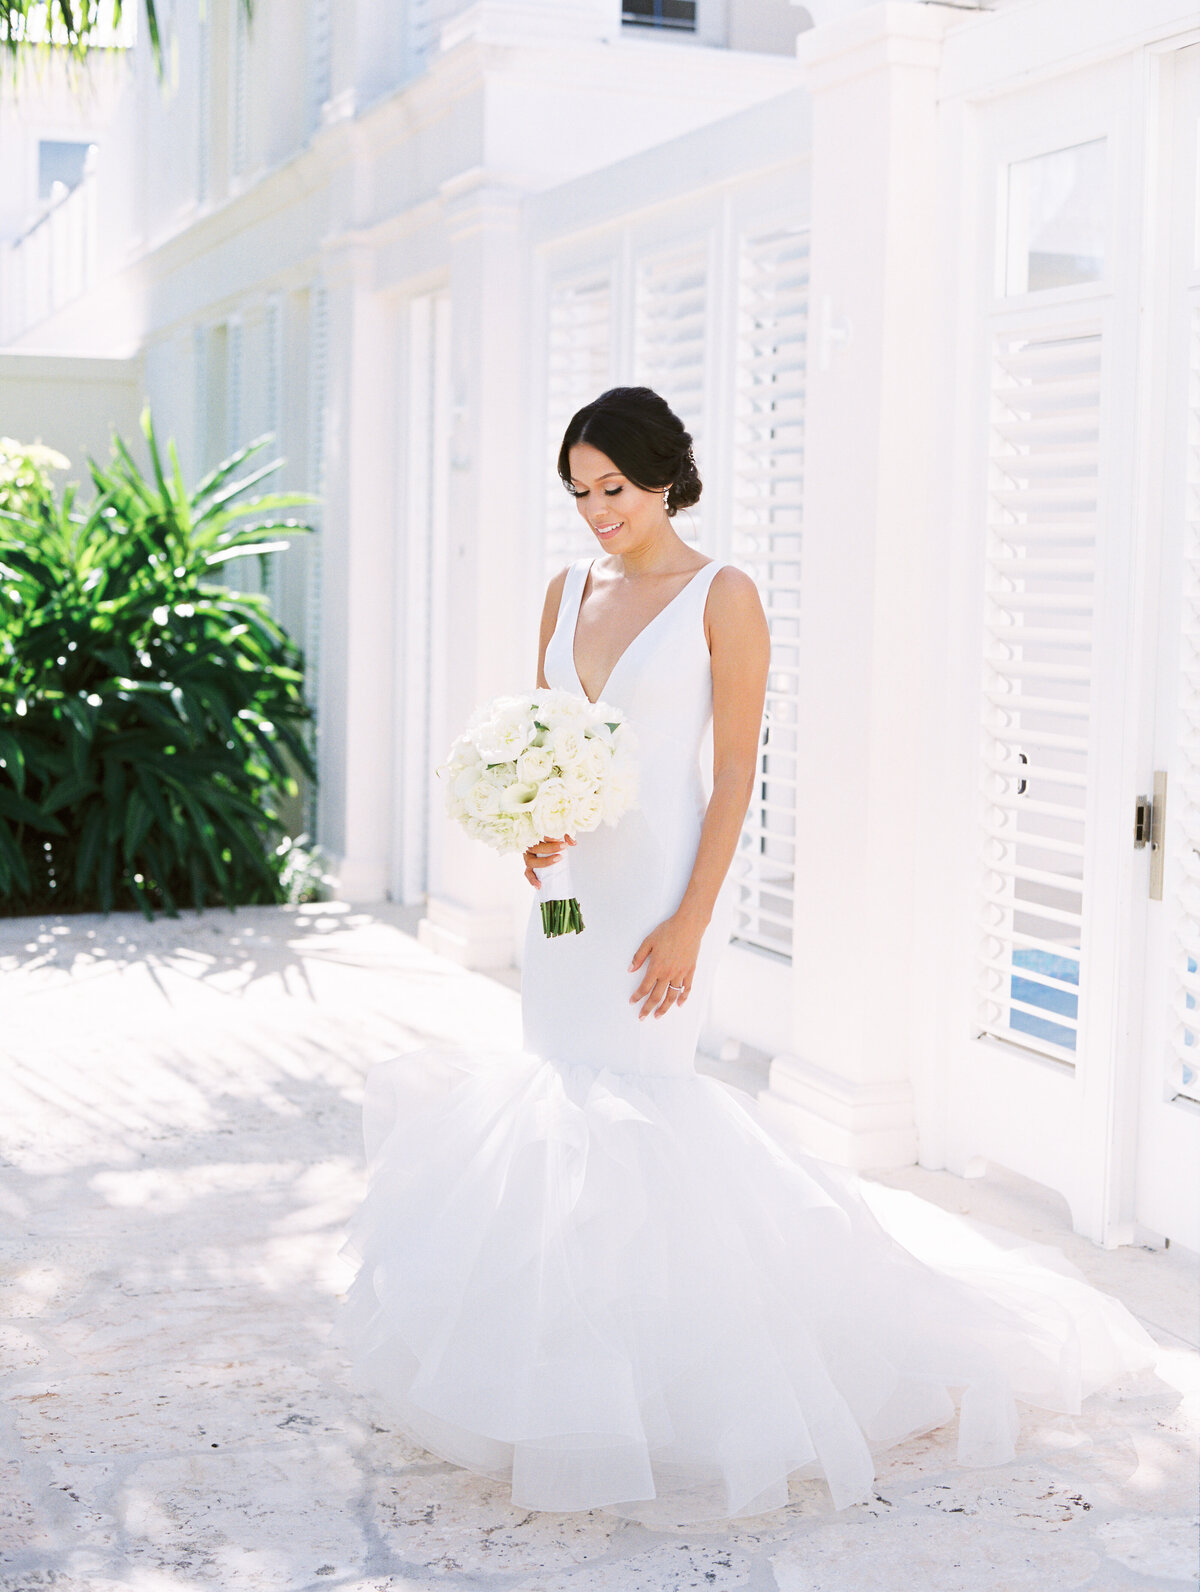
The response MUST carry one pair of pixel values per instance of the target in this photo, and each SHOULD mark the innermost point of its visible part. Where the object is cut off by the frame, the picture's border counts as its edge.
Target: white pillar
(480, 648)
(358, 543)
(845, 1085)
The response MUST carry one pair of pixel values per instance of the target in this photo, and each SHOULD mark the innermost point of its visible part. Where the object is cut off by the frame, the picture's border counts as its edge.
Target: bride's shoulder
(731, 586)
(733, 603)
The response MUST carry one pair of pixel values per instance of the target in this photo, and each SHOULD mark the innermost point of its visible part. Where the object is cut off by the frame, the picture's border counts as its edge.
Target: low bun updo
(644, 437)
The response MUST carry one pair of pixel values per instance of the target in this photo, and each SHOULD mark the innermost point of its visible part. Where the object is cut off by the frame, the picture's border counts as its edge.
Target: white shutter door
(767, 520)
(670, 341)
(1037, 710)
(578, 362)
(1182, 838)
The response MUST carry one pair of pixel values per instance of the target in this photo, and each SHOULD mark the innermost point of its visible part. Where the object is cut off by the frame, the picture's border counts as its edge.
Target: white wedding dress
(592, 1272)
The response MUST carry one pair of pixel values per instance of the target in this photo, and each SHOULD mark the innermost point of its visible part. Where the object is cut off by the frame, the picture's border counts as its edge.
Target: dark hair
(644, 438)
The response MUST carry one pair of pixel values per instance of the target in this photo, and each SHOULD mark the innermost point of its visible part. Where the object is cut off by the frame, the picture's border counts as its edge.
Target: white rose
(596, 758)
(535, 764)
(566, 744)
(501, 775)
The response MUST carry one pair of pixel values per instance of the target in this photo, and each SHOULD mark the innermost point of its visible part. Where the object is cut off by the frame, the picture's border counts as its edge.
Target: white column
(845, 1085)
(357, 550)
(480, 649)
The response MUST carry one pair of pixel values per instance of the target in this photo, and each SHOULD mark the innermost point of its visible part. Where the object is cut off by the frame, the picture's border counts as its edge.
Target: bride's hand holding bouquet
(531, 769)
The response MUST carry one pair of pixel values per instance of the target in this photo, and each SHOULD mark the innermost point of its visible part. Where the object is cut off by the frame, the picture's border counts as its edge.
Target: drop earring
(667, 498)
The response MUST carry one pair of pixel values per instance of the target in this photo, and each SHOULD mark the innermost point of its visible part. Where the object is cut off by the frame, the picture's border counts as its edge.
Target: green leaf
(227, 553)
(23, 811)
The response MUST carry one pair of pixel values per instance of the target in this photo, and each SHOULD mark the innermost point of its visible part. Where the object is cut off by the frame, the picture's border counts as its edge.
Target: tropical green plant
(150, 717)
(74, 25)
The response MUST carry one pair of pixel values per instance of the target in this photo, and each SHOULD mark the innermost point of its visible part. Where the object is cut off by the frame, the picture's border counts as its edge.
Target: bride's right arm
(546, 851)
(549, 620)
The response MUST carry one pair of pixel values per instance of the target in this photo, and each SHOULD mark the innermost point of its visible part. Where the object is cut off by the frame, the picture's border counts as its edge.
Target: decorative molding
(857, 1125)
(470, 936)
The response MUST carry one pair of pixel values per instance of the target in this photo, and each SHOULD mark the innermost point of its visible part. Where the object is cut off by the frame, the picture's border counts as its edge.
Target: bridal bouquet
(545, 764)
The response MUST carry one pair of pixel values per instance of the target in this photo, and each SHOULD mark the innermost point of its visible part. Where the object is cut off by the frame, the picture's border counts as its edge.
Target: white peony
(483, 799)
(589, 810)
(619, 793)
(554, 810)
(505, 735)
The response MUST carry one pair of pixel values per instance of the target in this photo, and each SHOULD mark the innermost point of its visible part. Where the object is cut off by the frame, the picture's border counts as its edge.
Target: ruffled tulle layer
(623, 1292)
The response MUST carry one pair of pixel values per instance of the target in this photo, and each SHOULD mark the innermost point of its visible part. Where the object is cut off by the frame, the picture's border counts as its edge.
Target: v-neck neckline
(632, 642)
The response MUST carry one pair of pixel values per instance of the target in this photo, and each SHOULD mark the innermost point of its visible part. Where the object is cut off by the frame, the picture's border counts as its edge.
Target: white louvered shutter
(204, 106)
(235, 384)
(320, 58)
(273, 360)
(578, 362)
(767, 522)
(238, 141)
(670, 339)
(1037, 707)
(317, 385)
(1183, 794)
(199, 400)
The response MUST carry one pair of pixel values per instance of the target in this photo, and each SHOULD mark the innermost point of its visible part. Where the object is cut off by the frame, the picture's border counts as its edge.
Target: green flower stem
(561, 917)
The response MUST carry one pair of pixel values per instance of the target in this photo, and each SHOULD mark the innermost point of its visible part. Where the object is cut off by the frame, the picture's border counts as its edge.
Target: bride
(590, 1271)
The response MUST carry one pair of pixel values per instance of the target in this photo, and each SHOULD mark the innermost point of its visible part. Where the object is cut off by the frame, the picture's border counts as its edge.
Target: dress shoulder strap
(704, 579)
(572, 588)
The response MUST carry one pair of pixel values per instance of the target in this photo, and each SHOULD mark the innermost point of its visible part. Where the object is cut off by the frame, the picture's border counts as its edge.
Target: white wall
(72, 404)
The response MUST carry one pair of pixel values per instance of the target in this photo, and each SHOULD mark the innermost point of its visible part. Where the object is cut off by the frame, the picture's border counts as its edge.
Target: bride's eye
(611, 491)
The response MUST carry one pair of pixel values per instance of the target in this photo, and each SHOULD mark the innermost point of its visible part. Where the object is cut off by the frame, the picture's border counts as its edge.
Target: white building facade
(924, 282)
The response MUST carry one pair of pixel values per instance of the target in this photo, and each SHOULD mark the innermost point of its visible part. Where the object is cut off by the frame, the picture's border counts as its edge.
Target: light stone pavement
(180, 1151)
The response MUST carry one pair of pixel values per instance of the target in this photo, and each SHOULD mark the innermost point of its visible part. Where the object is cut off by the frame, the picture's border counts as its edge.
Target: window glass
(60, 162)
(1056, 219)
(660, 13)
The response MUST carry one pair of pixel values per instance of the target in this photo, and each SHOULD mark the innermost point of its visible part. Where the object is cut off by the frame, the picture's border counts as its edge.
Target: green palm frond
(73, 24)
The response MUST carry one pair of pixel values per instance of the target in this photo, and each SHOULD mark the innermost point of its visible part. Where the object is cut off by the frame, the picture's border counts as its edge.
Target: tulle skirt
(624, 1292)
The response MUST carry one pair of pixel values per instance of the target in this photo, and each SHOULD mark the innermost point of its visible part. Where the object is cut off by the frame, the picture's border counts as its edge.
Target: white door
(1167, 1144)
(1050, 1069)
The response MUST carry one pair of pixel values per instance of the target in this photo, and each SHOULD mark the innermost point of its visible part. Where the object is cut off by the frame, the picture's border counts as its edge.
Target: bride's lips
(608, 530)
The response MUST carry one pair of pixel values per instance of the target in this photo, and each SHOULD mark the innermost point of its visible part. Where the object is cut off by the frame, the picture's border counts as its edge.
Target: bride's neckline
(653, 620)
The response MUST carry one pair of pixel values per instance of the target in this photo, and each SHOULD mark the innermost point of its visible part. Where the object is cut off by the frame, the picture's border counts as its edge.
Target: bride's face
(619, 513)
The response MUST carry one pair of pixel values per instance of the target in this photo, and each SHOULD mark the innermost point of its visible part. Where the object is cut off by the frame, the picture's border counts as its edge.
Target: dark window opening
(680, 14)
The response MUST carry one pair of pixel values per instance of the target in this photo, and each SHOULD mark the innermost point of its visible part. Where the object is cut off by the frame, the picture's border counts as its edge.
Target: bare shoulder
(732, 584)
(733, 600)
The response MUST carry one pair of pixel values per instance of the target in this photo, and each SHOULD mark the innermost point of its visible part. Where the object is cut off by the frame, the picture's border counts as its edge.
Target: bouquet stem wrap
(560, 909)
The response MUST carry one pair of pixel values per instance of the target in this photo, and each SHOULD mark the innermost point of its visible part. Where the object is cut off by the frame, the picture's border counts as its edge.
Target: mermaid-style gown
(592, 1272)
